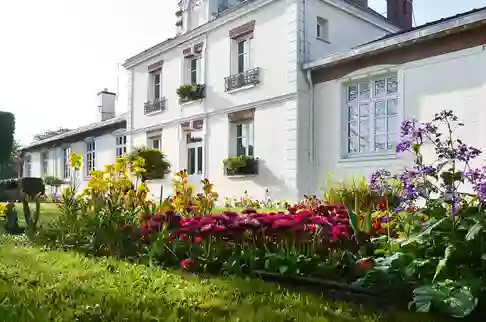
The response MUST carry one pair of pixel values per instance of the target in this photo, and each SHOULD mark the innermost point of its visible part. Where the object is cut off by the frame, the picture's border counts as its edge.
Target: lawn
(37, 285)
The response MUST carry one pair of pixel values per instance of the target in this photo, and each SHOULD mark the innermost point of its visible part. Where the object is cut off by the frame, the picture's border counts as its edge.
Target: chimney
(106, 105)
(400, 13)
(360, 3)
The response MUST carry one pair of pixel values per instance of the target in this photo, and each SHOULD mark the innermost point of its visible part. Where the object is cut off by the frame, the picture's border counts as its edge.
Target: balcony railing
(249, 77)
(157, 105)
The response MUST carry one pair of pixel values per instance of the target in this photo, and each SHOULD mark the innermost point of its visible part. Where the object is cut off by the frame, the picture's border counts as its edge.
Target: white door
(195, 161)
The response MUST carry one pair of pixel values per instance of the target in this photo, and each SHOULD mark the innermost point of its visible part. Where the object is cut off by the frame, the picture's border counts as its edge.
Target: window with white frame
(244, 138)
(121, 145)
(372, 115)
(90, 157)
(155, 85)
(45, 162)
(65, 163)
(322, 29)
(28, 166)
(154, 140)
(193, 70)
(243, 55)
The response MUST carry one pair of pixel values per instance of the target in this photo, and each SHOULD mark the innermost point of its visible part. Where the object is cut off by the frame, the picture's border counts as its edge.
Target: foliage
(245, 201)
(53, 181)
(7, 129)
(185, 202)
(189, 92)
(156, 165)
(45, 286)
(32, 187)
(31, 217)
(12, 167)
(234, 163)
(50, 133)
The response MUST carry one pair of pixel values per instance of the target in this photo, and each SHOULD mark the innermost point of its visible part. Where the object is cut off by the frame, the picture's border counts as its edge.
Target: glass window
(156, 86)
(244, 139)
(121, 145)
(193, 71)
(191, 161)
(65, 162)
(45, 163)
(90, 157)
(28, 166)
(372, 115)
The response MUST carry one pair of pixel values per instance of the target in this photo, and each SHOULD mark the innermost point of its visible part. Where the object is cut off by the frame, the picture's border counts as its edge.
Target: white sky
(57, 54)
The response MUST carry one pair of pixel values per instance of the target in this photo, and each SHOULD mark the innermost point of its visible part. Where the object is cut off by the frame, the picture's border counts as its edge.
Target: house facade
(362, 95)
(250, 95)
(99, 144)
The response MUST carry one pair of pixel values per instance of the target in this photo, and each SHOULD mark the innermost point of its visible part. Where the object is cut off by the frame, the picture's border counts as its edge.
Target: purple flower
(379, 181)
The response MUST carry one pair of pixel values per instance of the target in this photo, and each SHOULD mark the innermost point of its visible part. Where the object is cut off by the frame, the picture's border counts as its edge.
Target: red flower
(312, 228)
(182, 237)
(365, 264)
(197, 240)
(170, 239)
(185, 264)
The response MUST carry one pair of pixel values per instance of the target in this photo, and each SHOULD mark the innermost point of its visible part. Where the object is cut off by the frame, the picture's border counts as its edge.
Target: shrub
(32, 187)
(52, 181)
(7, 129)
(156, 165)
(240, 165)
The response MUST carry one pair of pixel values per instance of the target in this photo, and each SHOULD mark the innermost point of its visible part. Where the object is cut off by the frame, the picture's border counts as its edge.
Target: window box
(242, 165)
(158, 105)
(191, 92)
(248, 77)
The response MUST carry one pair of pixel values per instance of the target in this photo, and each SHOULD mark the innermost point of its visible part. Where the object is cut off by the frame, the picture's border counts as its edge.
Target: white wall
(105, 154)
(345, 30)
(454, 81)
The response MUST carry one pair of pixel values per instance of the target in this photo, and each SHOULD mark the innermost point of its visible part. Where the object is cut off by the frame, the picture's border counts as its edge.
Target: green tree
(7, 129)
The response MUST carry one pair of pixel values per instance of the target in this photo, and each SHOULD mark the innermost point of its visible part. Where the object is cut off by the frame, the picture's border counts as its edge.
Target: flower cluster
(332, 221)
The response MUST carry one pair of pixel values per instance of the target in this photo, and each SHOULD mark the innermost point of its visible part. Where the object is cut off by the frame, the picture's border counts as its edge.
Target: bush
(156, 165)
(7, 129)
(32, 187)
(52, 181)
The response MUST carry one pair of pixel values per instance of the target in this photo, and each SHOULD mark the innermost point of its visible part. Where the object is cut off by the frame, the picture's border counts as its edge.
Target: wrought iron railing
(155, 106)
(249, 77)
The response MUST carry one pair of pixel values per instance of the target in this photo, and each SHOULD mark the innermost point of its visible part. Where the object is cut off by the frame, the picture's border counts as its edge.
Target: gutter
(428, 32)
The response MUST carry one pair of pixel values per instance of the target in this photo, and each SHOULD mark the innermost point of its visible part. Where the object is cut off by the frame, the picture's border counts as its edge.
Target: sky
(57, 54)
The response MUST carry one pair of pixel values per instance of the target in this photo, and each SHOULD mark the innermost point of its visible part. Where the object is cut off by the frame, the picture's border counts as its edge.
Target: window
(243, 50)
(244, 138)
(155, 85)
(322, 29)
(65, 162)
(154, 140)
(90, 157)
(372, 115)
(194, 153)
(193, 70)
(121, 145)
(28, 166)
(45, 163)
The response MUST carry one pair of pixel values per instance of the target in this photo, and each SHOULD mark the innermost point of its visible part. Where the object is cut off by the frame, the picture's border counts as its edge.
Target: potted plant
(240, 165)
(190, 92)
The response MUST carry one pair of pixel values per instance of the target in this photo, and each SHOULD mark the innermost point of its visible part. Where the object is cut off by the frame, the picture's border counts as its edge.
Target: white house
(253, 97)
(99, 143)
(362, 95)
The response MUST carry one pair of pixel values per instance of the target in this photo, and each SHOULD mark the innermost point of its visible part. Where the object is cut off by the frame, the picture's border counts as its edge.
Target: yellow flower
(75, 161)
(138, 166)
(3, 209)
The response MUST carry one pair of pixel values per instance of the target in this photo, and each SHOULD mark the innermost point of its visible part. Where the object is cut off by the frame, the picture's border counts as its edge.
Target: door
(195, 161)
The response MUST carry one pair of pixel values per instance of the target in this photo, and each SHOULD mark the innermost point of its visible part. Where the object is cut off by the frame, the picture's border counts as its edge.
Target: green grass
(37, 285)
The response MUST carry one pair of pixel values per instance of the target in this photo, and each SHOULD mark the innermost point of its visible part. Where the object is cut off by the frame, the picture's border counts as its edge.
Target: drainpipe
(311, 125)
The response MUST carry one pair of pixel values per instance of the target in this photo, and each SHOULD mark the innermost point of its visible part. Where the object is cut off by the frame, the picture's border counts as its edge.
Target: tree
(10, 169)
(7, 129)
(156, 165)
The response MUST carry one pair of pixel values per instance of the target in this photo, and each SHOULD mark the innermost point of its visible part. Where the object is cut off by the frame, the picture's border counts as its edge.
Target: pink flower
(182, 237)
(197, 240)
(185, 264)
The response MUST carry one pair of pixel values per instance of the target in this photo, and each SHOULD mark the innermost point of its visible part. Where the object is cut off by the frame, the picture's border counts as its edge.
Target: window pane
(364, 110)
(191, 161)
(391, 85)
(392, 124)
(380, 125)
(380, 143)
(157, 91)
(364, 91)
(380, 109)
(364, 144)
(392, 141)
(193, 77)
(199, 159)
(240, 148)
(241, 63)
(380, 87)
(352, 145)
(352, 113)
(318, 30)
(352, 93)
(239, 130)
(241, 47)
(364, 128)
(156, 144)
(352, 129)
(392, 108)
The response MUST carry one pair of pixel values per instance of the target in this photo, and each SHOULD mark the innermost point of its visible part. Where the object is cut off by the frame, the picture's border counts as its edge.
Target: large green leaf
(474, 230)
(461, 302)
(427, 229)
(353, 220)
(443, 262)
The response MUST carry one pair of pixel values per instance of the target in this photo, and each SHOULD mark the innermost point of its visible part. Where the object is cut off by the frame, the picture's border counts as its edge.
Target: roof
(412, 35)
(428, 24)
(118, 120)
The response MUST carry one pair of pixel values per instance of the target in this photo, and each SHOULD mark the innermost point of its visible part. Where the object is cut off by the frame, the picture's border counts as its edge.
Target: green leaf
(461, 303)
(367, 222)
(428, 228)
(443, 262)
(283, 269)
(353, 221)
(474, 231)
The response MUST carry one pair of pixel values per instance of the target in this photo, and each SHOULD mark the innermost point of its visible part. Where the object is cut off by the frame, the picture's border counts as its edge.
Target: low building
(99, 144)
(361, 96)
